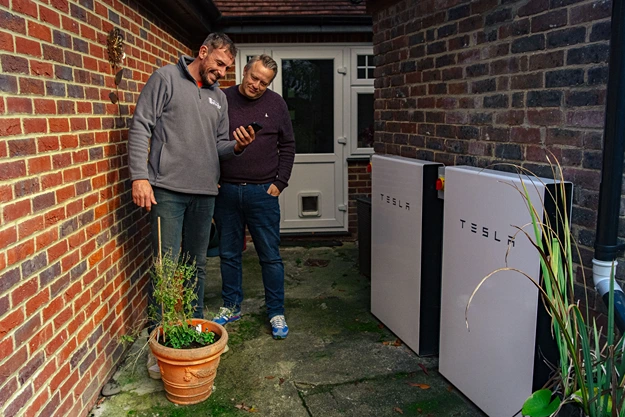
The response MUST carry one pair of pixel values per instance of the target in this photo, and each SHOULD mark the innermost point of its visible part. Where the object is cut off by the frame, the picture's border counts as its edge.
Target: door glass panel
(365, 120)
(308, 89)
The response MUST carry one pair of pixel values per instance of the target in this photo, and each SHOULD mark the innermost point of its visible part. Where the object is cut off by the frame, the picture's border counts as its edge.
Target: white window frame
(355, 151)
(354, 68)
(357, 86)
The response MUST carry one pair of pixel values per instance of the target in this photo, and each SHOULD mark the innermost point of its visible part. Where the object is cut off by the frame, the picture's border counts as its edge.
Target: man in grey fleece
(179, 132)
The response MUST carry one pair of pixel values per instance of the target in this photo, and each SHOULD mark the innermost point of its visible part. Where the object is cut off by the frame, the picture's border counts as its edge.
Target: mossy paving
(247, 328)
(214, 406)
(334, 315)
(337, 361)
(440, 401)
(404, 394)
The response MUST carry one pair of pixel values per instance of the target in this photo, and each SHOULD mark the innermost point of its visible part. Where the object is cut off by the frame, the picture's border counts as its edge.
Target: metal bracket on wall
(342, 70)
(342, 140)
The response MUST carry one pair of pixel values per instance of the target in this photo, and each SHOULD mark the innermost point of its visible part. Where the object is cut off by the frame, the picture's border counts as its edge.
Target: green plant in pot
(188, 350)
(589, 376)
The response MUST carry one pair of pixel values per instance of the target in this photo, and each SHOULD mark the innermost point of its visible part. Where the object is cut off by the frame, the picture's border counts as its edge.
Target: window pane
(365, 120)
(365, 67)
(308, 89)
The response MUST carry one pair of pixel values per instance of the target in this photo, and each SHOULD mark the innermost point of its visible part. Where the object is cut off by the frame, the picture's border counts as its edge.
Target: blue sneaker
(279, 329)
(227, 315)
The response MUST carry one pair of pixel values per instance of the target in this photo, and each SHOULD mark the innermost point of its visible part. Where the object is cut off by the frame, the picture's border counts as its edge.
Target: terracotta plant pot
(188, 374)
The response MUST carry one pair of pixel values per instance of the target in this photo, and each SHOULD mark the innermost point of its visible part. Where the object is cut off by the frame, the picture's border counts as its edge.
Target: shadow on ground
(337, 361)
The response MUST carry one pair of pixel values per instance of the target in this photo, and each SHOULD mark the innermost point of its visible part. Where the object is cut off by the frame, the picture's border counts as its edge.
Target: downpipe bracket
(609, 251)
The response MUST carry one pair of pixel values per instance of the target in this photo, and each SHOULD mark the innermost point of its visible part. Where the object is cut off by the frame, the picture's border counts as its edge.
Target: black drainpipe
(606, 244)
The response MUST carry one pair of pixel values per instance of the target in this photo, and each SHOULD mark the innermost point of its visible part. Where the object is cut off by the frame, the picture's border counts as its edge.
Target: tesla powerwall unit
(500, 359)
(406, 229)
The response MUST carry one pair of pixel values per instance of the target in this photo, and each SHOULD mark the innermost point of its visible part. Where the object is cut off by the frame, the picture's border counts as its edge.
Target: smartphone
(256, 126)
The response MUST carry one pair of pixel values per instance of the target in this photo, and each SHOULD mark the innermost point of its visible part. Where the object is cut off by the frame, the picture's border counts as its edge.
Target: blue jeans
(185, 228)
(238, 205)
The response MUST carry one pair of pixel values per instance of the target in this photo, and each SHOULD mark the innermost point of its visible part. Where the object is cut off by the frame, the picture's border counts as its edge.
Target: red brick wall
(486, 81)
(72, 245)
(359, 185)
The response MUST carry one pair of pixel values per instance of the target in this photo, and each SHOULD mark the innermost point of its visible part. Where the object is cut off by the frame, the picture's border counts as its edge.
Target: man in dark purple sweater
(250, 186)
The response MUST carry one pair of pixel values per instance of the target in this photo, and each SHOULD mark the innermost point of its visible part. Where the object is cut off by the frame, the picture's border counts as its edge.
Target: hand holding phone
(256, 126)
(244, 137)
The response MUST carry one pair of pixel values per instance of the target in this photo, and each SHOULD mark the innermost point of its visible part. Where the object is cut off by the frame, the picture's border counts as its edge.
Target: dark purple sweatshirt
(270, 157)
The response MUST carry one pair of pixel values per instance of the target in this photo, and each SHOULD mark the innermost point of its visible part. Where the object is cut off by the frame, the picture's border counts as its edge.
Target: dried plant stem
(160, 260)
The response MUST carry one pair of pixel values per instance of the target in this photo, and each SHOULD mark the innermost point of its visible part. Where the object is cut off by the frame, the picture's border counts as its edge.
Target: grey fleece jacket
(179, 132)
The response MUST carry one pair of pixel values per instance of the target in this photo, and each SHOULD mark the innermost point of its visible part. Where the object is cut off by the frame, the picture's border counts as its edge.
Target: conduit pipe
(606, 243)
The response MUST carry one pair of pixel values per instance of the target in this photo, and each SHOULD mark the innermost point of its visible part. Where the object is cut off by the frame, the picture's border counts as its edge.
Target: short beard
(204, 76)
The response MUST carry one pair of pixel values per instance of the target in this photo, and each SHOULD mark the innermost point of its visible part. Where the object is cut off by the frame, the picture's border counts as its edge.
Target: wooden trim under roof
(286, 8)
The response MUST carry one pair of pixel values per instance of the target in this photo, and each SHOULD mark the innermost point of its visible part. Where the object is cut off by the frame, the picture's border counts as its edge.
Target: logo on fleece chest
(214, 102)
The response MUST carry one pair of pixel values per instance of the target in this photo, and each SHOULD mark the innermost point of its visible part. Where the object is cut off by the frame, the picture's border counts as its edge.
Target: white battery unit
(500, 360)
(406, 230)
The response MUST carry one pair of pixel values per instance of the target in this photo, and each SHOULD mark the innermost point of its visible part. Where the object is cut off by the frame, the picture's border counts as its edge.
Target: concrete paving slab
(410, 395)
(338, 360)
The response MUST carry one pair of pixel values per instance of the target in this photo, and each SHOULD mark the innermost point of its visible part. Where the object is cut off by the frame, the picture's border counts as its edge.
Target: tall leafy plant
(590, 372)
(174, 280)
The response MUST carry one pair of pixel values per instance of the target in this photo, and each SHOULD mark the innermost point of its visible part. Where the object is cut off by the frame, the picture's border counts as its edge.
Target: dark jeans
(185, 229)
(238, 205)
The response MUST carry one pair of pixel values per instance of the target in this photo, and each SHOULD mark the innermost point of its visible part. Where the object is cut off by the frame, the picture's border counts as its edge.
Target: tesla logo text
(395, 201)
(484, 231)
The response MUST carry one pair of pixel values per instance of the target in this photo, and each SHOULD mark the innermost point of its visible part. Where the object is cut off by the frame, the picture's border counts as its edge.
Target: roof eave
(294, 24)
(199, 17)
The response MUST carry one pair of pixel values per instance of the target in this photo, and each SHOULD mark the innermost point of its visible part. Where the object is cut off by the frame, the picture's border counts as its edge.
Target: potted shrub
(589, 378)
(188, 350)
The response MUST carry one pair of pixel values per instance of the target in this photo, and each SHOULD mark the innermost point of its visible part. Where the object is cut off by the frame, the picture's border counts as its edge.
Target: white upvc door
(311, 82)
